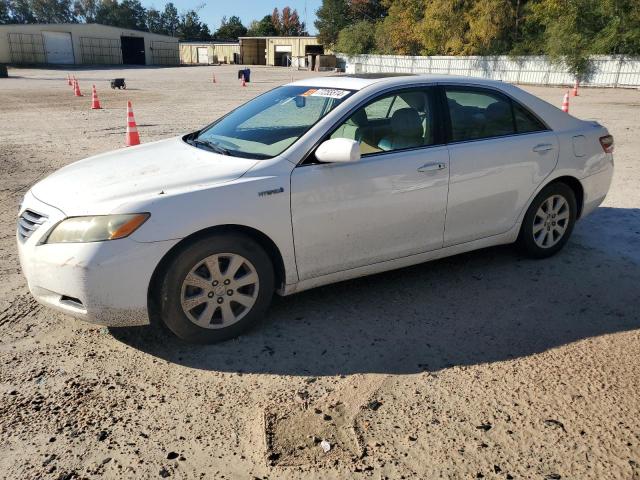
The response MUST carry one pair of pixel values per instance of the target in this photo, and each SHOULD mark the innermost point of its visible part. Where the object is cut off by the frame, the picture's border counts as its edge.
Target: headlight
(96, 229)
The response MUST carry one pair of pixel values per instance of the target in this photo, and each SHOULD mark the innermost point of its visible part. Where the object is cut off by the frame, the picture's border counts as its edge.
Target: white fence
(608, 71)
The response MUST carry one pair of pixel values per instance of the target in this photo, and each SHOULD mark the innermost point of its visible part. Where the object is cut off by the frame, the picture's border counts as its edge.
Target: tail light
(607, 143)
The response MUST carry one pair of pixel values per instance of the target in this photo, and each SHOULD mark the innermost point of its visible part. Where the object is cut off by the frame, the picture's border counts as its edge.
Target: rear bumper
(596, 187)
(103, 282)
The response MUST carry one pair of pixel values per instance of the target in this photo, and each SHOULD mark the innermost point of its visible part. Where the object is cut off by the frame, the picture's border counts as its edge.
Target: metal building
(209, 53)
(279, 51)
(86, 44)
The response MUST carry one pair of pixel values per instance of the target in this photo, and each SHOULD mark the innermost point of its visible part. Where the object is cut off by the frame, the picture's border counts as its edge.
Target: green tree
(230, 29)
(369, 10)
(332, 16)
(262, 28)
(85, 10)
(154, 21)
(191, 28)
(39, 11)
(133, 14)
(444, 27)
(569, 31)
(21, 12)
(399, 33)
(170, 19)
(488, 27)
(52, 11)
(621, 31)
(358, 38)
(288, 22)
(5, 17)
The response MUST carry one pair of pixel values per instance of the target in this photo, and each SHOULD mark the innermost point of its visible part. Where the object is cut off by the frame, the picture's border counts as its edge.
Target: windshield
(267, 125)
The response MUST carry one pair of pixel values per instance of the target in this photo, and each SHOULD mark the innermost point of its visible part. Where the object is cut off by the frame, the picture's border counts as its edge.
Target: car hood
(103, 183)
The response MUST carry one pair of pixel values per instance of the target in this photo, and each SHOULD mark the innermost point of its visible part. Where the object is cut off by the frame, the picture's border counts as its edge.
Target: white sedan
(311, 183)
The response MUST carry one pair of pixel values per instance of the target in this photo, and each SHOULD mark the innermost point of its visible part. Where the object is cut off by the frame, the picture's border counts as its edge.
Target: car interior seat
(419, 102)
(357, 128)
(406, 131)
(354, 127)
(499, 119)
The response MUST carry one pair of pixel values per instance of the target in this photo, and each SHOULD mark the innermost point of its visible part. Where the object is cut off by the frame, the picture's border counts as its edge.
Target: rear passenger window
(479, 114)
(525, 121)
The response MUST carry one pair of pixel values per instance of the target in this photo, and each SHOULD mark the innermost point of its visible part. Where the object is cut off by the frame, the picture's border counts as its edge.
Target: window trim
(446, 116)
(440, 133)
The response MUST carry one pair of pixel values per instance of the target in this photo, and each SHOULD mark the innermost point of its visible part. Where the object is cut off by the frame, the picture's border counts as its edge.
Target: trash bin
(246, 72)
(3, 71)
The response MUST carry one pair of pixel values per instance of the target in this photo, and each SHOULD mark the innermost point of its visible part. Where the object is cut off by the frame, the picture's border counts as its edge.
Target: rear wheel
(549, 221)
(216, 288)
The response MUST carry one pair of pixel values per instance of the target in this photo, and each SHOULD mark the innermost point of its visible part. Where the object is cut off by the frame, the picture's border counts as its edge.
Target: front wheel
(549, 221)
(216, 288)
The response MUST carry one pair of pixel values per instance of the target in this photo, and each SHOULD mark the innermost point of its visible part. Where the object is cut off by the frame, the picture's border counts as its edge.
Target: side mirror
(338, 150)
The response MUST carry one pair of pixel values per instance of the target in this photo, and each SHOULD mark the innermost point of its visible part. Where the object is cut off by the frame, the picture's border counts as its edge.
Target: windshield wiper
(211, 146)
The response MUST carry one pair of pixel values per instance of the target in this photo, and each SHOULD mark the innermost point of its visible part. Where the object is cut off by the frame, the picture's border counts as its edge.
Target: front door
(388, 205)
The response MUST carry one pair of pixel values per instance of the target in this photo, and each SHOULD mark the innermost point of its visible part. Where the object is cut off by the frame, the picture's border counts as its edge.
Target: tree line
(569, 31)
(186, 25)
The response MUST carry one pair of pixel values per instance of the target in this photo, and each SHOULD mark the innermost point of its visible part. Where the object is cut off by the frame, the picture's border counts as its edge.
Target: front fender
(258, 202)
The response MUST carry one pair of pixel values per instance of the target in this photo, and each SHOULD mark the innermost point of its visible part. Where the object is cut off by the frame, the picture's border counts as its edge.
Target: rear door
(58, 47)
(499, 153)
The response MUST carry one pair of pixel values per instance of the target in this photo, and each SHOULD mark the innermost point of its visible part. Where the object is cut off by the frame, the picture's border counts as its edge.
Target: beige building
(86, 44)
(209, 53)
(279, 51)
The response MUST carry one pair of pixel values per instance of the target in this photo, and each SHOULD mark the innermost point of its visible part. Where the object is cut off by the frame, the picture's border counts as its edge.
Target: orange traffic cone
(69, 79)
(76, 89)
(244, 84)
(73, 82)
(95, 103)
(565, 102)
(213, 80)
(575, 89)
(132, 138)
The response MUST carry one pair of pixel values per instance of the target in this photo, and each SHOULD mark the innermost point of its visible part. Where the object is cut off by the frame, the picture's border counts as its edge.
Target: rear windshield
(267, 125)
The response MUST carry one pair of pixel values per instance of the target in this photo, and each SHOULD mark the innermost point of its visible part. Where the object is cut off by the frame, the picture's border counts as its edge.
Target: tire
(202, 301)
(549, 221)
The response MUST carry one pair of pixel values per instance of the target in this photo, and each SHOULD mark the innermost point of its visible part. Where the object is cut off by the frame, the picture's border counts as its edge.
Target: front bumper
(102, 282)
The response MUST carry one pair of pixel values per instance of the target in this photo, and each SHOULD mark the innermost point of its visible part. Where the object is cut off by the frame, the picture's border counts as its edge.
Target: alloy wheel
(551, 221)
(219, 290)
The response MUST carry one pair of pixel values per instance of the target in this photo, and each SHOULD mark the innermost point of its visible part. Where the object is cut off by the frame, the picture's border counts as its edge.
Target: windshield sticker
(328, 92)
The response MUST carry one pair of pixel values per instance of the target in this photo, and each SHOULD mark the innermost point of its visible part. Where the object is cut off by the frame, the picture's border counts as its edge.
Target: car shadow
(485, 306)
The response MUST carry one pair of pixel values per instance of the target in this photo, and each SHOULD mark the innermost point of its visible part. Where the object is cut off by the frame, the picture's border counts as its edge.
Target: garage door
(58, 47)
(203, 55)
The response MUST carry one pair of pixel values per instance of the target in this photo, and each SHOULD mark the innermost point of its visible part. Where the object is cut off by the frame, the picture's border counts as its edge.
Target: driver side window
(395, 121)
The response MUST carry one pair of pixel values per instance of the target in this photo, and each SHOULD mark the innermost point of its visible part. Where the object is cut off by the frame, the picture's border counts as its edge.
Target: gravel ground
(485, 365)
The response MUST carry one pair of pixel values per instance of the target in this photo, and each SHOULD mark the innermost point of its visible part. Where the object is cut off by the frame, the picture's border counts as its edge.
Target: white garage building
(85, 44)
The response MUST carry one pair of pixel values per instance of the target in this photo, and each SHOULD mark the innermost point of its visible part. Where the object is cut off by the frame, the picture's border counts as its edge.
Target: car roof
(363, 80)
(553, 116)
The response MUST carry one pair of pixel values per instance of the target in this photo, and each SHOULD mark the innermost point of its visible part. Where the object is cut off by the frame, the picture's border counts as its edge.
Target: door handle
(543, 147)
(432, 167)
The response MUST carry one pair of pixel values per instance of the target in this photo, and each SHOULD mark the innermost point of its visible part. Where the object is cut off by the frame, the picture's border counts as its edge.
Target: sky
(247, 10)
